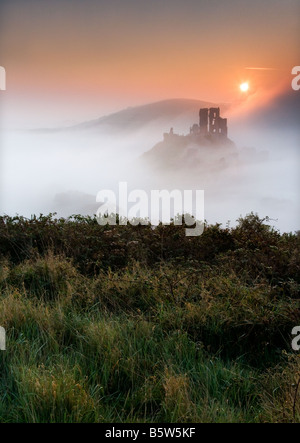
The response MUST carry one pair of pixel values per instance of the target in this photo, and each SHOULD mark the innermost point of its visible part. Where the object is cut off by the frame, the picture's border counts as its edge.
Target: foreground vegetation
(130, 324)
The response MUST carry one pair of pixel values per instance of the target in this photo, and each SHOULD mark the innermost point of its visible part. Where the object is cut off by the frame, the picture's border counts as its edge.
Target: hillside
(189, 152)
(162, 115)
(158, 113)
(282, 112)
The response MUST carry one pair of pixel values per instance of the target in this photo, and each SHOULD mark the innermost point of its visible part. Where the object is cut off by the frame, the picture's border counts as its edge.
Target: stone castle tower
(211, 122)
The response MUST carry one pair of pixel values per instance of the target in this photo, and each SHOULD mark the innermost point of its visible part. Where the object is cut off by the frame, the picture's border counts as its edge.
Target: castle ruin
(211, 126)
(210, 122)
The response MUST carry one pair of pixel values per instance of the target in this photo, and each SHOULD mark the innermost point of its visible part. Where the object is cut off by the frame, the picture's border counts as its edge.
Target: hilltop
(205, 143)
(156, 115)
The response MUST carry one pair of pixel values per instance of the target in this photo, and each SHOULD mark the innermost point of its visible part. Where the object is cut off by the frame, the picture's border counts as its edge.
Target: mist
(62, 171)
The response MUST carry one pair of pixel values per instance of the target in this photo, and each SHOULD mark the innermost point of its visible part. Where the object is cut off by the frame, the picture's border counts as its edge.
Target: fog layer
(62, 171)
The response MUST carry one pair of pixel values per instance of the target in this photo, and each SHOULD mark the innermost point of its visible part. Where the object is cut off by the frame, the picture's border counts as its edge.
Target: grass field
(129, 324)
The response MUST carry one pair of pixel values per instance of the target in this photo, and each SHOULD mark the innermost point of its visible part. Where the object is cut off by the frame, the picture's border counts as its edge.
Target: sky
(72, 60)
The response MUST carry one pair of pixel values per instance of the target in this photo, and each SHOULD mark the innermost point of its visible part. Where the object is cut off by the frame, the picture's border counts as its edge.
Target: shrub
(47, 277)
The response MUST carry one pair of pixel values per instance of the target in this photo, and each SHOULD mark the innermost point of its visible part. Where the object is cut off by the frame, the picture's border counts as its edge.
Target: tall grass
(150, 340)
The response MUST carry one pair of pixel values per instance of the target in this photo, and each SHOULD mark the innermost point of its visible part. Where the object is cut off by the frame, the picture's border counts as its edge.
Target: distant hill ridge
(134, 118)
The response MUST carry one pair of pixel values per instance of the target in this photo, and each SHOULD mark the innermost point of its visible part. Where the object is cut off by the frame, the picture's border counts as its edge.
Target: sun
(244, 87)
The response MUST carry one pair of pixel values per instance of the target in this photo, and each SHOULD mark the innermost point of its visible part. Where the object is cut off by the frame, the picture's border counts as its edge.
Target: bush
(130, 324)
(48, 277)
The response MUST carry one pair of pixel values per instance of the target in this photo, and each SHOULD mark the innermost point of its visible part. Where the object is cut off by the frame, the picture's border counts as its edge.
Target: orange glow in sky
(77, 60)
